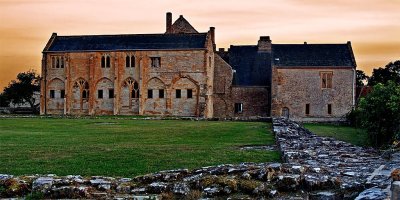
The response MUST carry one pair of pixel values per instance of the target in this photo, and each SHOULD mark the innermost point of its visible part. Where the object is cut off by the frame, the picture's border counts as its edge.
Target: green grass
(125, 147)
(344, 133)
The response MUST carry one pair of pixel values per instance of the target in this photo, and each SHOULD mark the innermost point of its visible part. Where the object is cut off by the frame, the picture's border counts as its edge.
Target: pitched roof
(310, 55)
(181, 25)
(252, 67)
(127, 42)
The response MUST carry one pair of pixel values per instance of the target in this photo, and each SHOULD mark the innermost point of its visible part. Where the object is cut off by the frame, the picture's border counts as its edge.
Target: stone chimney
(264, 44)
(169, 22)
(212, 34)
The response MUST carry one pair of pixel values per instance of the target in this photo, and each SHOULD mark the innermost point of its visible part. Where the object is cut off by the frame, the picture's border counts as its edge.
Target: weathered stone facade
(180, 73)
(290, 94)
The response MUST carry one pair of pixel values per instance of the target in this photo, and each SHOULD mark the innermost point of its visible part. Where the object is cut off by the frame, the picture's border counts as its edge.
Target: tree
(22, 89)
(391, 72)
(380, 113)
(4, 102)
(360, 78)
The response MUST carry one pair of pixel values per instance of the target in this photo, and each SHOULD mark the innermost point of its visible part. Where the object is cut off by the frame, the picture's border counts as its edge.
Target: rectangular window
(110, 93)
(307, 109)
(149, 94)
(329, 109)
(326, 79)
(161, 93)
(52, 94)
(178, 93)
(155, 62)
(189, 93)
(99, 94)
(62, 92)
(238, 107)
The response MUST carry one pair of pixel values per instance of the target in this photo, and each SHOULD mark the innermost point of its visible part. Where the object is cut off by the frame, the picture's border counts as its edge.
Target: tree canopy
(360, 78)
(391, 72)
(22, 90)
(380, 113)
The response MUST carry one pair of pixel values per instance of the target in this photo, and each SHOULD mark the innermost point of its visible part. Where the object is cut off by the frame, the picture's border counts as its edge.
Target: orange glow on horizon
(372, 26)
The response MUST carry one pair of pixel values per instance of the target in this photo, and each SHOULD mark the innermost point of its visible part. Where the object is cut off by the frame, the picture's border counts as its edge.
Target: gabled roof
(127, 42)
(313, 55)
(252, 67)
(181, 25)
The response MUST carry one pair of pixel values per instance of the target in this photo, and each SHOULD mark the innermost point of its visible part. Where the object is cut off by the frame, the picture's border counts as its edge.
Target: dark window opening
(326, 79)
(238, 107)
(307, 109)
(128, 62)
(52, 94)
(108, 62)
(135, 94)
(103, 62)
(178, 93)
(189, 93)
(53, 62)
(99, 94)
(150, 94)
(62, 62)
(135, 86)
(85, 94)
(57, 62)
(161, 93)
(110, 93)
(62, 94)
(155, 62)
(329, 109)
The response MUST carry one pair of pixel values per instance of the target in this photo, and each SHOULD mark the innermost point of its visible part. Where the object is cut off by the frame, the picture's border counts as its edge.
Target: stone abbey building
(180, 73)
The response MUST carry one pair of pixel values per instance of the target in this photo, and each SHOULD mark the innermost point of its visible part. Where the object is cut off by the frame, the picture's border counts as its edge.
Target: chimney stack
(169, 22)
(264, 44)
(212, 33)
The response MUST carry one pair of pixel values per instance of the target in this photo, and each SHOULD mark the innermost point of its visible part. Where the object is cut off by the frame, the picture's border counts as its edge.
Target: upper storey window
(105, 61)
(155, 62)
(130, 61)
(326, 79)
(57, 62)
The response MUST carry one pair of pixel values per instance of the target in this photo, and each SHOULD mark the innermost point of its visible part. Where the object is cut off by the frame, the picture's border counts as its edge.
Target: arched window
(128, 61)
(103, 62)
(108, 62)
(135, 91)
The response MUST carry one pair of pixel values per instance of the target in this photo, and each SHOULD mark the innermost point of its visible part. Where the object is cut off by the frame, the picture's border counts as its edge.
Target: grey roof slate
(311, 55)
(253, 68)
(128, 42)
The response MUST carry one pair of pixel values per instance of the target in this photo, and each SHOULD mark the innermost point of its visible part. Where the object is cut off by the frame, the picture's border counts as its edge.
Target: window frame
(326, 79)
(111, 93)
(178, 93)
(238, 108)
(161, 94)
(52, 94)
(62, 94)
(100, 94)
(149, 93)
(307, 110)
(153, 62)
(189, 93)
(329, 111)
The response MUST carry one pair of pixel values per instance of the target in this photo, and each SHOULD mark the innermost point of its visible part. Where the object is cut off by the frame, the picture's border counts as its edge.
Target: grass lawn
(345, 133)
(123, 147)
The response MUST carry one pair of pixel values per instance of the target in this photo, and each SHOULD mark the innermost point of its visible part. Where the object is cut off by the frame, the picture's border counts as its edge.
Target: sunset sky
(373, 26)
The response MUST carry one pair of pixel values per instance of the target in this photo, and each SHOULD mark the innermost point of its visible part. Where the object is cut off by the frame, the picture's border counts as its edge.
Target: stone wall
(254, 100)
(180, 69)
(223, 106)
(293, 88)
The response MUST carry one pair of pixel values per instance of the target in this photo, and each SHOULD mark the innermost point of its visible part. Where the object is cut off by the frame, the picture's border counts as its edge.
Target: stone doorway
(285, 112)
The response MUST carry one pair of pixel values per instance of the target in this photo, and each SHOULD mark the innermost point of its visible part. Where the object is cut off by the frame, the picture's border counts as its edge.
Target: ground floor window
(178, 93)
(150, 94)
(307, 109)
(329, 109)
(52, 94)
(62, 94)
(161, 93)
(238, 107)
(110, 93)
(100, 94)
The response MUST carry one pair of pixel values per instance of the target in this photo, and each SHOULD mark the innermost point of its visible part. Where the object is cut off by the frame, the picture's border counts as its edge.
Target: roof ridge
(140, 34)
